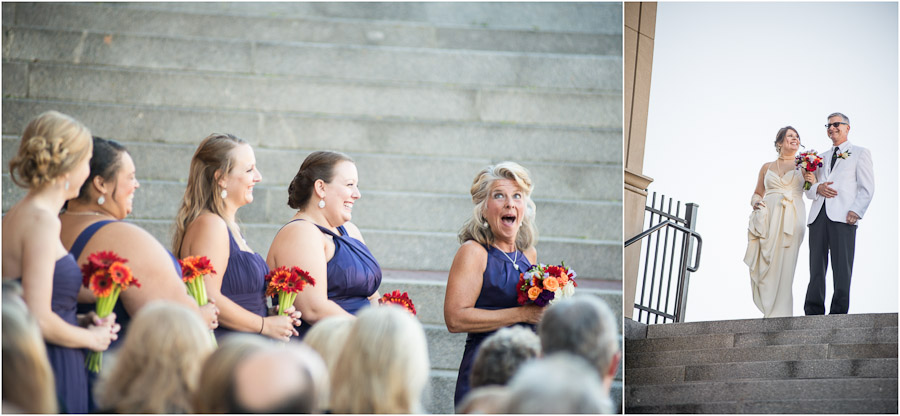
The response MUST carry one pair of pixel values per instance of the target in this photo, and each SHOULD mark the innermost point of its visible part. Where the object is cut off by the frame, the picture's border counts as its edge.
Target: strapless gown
(68, 363)
(774, 236)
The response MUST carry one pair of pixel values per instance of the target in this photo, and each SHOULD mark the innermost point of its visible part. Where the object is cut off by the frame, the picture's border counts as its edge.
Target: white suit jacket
(853, 178)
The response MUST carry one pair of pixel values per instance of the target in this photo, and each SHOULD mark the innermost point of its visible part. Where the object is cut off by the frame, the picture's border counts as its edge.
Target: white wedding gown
(774, 238)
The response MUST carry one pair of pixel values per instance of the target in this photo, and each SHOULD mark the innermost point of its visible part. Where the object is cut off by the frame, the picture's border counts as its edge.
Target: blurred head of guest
(278, 379)
(561, 383)
(217, 373)
(502, 354)
(584, 326)
(28, 385)
(484, 400)
(327, 337)
(158, 366)
(383, 367)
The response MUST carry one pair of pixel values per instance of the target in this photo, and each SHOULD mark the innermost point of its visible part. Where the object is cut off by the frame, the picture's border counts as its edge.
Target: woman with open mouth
(497, 245)
(321, 240)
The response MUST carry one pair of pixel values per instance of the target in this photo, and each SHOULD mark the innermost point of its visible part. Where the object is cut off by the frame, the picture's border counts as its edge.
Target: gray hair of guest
(502, 353)
(561, 383)
(844, 117)
(582, 325)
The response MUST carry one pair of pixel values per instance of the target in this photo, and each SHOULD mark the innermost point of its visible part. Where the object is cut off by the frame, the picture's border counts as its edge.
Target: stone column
(639, 32)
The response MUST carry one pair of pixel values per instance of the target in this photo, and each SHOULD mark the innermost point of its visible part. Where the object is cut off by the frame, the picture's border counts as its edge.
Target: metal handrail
(675, 225)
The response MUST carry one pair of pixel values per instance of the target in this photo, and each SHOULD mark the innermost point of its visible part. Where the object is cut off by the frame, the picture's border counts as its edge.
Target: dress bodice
(66, 283)
(498, 287)
(789, 184)
(244, 281)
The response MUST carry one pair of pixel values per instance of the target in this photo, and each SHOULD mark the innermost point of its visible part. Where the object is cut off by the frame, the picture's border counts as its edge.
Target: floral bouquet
(286, 283)
(808, 161)
(544, 284)
(398, 298)
(193, 269)
(105, 274)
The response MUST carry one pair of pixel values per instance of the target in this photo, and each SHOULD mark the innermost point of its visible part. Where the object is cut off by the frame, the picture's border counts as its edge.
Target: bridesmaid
(497, 244)
(52, 163)
(321, 240)
(221, 180)
(93, 222)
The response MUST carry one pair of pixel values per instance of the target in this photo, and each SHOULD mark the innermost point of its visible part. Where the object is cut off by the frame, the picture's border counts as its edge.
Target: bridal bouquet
(544, 284)
(398, 298)
(193, 269)
(287, 283)
(106, 275)
(808, 161)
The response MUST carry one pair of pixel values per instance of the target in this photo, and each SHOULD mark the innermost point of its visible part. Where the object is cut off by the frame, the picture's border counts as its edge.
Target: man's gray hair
(502, 353)
(584, 326)
(846, 119)
(560, 384)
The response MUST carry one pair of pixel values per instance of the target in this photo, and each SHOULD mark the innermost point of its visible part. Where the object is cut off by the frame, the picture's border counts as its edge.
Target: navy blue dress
(498, 291)
(244, 281)
(353, 274)
(68, 363)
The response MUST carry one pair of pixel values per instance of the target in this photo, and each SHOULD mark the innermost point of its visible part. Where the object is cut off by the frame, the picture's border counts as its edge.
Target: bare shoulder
(298, 231)
(531, 254)
(471, 250)
(353, 230)
(764, 168)
(208, 221)
(130, 234)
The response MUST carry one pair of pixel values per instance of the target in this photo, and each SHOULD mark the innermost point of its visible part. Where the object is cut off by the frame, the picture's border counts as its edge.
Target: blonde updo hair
(474, 228)
(50, 147)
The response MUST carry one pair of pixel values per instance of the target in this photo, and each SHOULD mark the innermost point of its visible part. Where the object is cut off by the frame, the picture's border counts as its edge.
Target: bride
(777, 226)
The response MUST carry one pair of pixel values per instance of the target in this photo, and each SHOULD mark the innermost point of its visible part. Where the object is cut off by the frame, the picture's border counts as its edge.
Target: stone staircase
(805, 364)
(421, 95)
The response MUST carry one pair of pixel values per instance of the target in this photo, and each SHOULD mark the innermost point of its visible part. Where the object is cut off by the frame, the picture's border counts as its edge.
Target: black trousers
(840, 239)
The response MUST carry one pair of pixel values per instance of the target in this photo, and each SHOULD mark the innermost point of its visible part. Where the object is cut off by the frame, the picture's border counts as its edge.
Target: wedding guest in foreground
(327, 337)
(27, 377)
(840, 199)
(558, 384)
(279, 380)
(384, 366)
(321, 240)
(157, 369)
(217, 373)
(52, 162)
(501, 355)
(497, 245)
(490, 399)
(93, 222)
(585, 327)
(221, 179)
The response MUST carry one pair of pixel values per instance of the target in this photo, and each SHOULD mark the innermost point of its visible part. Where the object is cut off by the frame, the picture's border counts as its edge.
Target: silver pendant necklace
(510, 258)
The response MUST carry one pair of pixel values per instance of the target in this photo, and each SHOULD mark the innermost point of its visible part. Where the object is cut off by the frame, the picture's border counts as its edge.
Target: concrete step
(606, 38)
(693, 393)
(773, 324)
(440, 391)
(280, 93)
(367, 63)
(820, 406)
(757, 339)
(144, 123)
(766, 353)
(768, 370)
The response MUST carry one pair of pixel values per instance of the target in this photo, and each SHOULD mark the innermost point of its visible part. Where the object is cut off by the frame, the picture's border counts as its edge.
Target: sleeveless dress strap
(321, 228)
(85, 236)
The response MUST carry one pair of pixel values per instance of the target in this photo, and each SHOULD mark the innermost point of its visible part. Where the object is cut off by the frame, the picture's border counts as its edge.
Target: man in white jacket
(844, 189)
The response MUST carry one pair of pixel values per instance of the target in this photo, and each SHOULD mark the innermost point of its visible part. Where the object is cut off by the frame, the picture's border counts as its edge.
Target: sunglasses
(836, 124)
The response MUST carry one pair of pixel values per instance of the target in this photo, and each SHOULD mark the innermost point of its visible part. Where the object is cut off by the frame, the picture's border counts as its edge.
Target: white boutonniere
(844, 155)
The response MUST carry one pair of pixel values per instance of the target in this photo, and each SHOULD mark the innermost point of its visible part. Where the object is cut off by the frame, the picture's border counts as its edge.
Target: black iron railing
(659, 265)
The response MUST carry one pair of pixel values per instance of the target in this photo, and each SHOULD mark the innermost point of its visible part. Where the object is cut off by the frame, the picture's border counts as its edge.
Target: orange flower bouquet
(286, 283)
(398, 298)
(193, 268)
(106, 275)
(544, 284)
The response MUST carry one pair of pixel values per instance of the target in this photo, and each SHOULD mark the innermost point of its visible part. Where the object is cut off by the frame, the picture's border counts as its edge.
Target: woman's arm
(301, 244)
(463, 287)
(760, 190)
(38, 262)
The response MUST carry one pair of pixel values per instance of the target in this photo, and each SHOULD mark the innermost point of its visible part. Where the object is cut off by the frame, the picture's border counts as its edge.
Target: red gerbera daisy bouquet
(287, 283)
(106, 275)
(193, 268)
(544, 284)
(398, 298)
(808, 161)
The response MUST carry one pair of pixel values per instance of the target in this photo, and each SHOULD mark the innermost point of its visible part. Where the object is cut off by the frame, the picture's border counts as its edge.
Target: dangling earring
(101, 200)
(485, 224)
(66, 185)
(224, 193)
(321, 203)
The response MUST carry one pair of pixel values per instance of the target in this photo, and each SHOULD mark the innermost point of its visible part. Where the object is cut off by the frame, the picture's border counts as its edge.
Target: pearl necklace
(510, 258)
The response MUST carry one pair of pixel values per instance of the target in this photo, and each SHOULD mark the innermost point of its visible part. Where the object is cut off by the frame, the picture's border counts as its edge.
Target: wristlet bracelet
(263, 326)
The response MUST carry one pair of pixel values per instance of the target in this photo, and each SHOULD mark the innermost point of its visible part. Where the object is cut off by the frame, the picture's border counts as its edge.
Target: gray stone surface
(9, 13)
(773, 324)
(812, 369)
(888, 406)
(444, 348)
(862, 350)
(725, 355)
(817, 336)
(654, 375)
(634, 330)
(697, 342)
(440, 392)
(15, 80)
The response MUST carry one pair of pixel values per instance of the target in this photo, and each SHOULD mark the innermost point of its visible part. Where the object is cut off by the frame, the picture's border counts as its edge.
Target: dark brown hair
(318, 165)
(779, 138)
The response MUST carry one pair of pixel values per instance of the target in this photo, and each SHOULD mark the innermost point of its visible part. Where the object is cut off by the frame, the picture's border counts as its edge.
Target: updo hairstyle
(50, 147)
(474, 229)
(318, 165)
(105, 163)
(779, 137)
